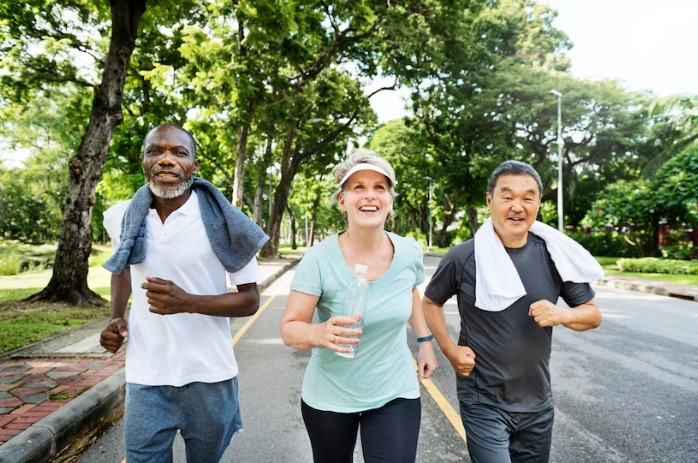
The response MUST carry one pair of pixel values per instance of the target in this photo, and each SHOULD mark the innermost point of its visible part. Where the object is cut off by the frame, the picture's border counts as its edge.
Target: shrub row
(655, 265)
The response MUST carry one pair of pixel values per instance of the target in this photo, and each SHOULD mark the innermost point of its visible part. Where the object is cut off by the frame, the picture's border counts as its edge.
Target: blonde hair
(363, 156)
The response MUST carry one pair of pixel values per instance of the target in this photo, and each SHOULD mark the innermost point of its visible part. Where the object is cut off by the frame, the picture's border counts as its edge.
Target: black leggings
(388, 434)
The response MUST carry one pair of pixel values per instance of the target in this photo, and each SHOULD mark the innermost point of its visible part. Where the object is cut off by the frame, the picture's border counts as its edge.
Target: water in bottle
(355, 304)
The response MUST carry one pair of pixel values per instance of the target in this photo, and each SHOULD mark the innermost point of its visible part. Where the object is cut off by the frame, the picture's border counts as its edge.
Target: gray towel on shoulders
(235, 238)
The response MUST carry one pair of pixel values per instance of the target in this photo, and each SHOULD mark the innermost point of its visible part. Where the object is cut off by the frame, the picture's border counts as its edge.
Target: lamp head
(556, 93)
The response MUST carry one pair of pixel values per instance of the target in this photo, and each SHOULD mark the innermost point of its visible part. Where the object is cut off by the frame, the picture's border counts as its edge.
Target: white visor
(366, 166)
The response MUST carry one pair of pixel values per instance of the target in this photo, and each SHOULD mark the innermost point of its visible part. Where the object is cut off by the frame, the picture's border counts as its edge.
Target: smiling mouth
(368, 208)
(166, 176)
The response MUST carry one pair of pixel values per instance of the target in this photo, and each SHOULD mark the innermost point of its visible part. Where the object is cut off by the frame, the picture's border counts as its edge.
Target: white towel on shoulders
(498, 284)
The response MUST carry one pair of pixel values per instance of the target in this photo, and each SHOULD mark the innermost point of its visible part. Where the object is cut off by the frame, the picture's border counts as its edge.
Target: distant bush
(17, 257)
(10, 262)
(631, 244)
(655, 265)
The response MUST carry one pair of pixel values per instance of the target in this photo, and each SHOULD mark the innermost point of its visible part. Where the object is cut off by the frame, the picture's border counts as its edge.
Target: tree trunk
(258, 208)
(239, 181)
(442, 240)
(294, 228)
(288, 171)
(69, 279)
(471, 212)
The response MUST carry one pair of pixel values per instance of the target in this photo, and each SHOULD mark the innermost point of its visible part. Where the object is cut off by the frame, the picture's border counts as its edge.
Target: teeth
(369, 208)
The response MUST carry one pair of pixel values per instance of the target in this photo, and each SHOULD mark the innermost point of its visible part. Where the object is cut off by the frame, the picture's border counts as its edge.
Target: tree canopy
(275, 93)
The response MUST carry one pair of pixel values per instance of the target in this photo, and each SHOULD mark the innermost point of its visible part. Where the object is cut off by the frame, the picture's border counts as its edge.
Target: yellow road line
(251, 320)
(451, 414)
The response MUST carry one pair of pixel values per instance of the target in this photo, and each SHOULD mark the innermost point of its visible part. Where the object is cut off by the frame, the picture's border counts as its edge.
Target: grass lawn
(23, 323)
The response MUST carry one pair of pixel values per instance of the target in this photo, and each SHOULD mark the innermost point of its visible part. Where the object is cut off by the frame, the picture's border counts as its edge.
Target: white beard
(170, 193)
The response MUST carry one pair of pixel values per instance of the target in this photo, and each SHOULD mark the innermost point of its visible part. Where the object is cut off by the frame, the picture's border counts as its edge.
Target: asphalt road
(626, 392)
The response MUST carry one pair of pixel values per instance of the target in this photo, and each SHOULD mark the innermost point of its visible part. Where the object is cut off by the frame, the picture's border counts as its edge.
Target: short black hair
(512, 167)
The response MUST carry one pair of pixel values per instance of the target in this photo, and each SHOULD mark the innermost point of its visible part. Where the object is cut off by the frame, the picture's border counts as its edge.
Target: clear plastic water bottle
(355, 304)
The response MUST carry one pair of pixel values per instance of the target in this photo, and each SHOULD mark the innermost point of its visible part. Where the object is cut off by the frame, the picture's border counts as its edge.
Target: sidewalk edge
(45, 439)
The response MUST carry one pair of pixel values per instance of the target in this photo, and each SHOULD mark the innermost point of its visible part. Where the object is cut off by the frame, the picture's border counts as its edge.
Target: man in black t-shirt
(502, 355)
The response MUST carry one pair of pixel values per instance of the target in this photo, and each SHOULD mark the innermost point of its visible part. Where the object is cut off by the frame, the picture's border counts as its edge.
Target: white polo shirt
(184, 348)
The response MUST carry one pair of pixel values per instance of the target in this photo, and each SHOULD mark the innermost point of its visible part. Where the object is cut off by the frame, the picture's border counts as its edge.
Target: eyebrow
(506, 189)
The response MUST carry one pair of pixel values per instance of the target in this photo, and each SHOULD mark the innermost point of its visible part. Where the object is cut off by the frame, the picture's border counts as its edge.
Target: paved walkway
(54, 390)
(47, 389)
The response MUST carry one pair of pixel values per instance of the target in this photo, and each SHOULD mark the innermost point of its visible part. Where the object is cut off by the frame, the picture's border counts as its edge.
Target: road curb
(48, 437)
(680, 292)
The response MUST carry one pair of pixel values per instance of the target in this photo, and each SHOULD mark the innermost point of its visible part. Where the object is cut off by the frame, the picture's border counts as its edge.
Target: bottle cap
(360, 268)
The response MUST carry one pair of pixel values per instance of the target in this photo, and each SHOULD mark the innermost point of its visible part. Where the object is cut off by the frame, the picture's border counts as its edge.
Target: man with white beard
(176, 244)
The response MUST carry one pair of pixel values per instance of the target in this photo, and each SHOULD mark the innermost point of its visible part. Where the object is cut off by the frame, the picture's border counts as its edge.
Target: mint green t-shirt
(383, 370)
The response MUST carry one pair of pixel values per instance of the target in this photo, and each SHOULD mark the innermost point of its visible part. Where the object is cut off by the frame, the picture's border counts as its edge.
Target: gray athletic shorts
(498, 436)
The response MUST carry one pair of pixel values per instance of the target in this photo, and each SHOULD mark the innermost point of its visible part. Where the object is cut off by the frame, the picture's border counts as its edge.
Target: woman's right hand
(335, 334)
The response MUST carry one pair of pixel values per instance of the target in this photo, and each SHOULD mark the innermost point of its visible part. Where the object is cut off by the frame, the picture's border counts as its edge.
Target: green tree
(675, 189)
(42, 25)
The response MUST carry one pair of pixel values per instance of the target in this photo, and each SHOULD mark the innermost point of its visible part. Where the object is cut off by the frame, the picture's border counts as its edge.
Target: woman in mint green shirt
(378, 390)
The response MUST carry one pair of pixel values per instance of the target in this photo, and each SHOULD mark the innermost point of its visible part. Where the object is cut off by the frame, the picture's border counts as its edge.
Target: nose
(165, 158)
(516, 205)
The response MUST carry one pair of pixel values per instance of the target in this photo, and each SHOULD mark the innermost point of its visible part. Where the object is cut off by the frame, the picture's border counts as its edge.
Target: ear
(340, 202)
(488, 199)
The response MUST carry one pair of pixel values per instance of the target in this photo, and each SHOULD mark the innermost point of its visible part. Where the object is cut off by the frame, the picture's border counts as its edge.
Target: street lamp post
(560, 216)
(429, 209)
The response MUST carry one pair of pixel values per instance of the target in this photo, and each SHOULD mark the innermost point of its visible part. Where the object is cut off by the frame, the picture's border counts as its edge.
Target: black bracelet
(426, 338)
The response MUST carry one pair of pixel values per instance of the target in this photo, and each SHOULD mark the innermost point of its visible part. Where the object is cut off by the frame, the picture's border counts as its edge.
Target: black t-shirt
(511, 351)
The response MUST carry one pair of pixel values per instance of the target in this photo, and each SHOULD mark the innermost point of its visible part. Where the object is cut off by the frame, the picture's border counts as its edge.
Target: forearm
(243, 303)
(417, 320)
(583, 317)
(120, 292)
(300, 335)
(436, 320)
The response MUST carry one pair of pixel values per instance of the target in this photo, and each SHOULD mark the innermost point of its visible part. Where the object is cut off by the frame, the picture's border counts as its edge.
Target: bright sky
(643, 44)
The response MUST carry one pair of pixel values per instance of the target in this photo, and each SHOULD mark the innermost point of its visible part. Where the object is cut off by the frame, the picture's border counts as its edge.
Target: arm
(462, 358)
(166, 298)
(580, 318)
(298, 332)
(112, 337)
(426, 359)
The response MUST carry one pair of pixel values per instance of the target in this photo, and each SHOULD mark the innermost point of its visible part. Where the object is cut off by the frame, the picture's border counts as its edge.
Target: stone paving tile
(23, 409)
(7, 368)
(35, 398)
(10, 379)
(7, 434)
(27, 385)
(4, 419)
(42, 383)
(10, 402)
(24, 391)
(62, 375)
